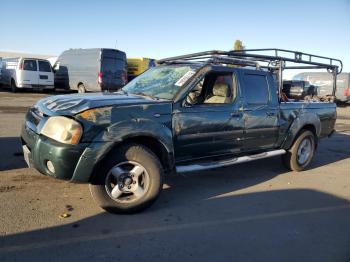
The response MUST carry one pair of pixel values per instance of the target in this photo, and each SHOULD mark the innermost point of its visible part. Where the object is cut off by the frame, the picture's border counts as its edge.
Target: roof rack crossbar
(286, 51)
(276, 61)
(298, 57)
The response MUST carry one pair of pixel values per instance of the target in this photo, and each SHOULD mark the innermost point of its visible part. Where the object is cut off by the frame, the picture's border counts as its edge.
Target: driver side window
(213, 88)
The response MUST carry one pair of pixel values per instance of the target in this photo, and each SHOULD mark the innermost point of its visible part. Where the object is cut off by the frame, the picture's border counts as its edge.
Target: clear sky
(165, 28)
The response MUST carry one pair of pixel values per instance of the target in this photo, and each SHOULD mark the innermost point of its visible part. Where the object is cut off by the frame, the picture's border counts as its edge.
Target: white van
(22, 72)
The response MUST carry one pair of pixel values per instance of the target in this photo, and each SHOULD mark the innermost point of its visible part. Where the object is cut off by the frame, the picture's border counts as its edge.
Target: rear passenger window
(44, 66)
(256, 89)
(29, 65)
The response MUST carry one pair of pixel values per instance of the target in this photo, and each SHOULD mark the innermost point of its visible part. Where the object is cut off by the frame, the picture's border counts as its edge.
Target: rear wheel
(14, 88)
(300, 155)
(129, 180)
(81, 89)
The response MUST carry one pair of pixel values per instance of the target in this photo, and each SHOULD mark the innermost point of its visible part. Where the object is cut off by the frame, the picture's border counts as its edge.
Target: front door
(260, 111)
(209, 122)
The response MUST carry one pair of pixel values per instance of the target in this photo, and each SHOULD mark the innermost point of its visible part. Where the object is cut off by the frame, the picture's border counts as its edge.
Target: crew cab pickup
(177, 117)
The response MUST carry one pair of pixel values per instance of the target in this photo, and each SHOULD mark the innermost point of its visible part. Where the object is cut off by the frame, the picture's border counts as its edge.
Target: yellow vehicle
(137, 66)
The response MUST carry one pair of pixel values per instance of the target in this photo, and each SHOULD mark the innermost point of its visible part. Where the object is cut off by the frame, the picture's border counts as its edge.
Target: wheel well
(80, 83)
(165, 158)
(156, 147)
(310, 128)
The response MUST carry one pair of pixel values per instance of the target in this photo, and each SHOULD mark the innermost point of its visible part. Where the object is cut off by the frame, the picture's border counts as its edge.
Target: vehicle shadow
(229, 179)
(276, 225)
(11, 153)
(332, 150)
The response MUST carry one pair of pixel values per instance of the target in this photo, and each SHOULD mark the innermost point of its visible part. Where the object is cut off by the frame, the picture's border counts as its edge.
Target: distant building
(19, 54)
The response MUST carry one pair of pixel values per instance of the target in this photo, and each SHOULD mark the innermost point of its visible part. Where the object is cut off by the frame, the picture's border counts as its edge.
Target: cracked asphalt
(256, 211)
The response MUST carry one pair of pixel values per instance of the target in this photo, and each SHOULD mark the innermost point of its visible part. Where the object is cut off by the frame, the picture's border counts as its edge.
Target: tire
(300, 155)
(118, 201)
(14, 88)
(81, 89)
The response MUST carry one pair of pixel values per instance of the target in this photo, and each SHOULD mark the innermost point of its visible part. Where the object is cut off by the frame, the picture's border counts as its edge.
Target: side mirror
(186, 103)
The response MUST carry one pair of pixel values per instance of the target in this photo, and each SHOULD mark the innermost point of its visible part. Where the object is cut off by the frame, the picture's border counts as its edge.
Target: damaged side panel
(119, 124)
(314, 115)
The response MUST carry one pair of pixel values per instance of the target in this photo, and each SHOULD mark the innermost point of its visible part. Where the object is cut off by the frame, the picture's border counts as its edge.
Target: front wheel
(299, 156)
(129, 181)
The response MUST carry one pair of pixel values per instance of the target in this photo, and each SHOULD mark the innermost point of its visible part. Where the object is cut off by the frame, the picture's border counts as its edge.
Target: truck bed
(326, 113)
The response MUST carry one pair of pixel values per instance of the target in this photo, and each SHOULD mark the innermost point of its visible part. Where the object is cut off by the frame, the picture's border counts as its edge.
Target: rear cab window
(30, 65)
(256, 89)
(44, 66)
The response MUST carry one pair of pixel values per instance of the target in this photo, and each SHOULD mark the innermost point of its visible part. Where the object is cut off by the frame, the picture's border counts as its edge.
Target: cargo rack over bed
(272, 59)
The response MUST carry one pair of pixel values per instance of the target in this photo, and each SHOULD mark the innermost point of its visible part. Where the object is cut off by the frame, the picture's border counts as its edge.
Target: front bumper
(38, 150)
(75, 163)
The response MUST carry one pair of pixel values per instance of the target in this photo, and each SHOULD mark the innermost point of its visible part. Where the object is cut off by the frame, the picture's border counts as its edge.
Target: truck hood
(75, 103)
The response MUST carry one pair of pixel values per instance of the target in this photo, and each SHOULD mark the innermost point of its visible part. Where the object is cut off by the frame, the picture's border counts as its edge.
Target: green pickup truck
(181, 116)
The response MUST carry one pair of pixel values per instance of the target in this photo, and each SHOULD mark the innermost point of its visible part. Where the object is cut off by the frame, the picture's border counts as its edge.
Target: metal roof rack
(268, 58)
(312, 61)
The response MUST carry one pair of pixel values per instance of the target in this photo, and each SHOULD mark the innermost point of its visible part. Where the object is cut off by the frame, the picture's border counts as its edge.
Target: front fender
(117, 133)
(140, 127)
(305, 118)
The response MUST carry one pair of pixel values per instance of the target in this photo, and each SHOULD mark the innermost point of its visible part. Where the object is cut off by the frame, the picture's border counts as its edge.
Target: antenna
(116, 41)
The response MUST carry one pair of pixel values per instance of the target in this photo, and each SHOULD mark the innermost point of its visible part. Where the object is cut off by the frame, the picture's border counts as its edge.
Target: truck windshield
(160, 82)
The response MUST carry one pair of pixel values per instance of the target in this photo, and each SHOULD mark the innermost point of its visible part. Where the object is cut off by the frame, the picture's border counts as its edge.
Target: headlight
(62, 129)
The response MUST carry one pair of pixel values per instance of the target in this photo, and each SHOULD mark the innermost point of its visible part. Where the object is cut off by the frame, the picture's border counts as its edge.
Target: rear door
(260, 111)
(46, 77)
(113, 73)
(29, 74)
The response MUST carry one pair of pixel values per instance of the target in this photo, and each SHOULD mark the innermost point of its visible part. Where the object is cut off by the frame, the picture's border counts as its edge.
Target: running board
(228, 162)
